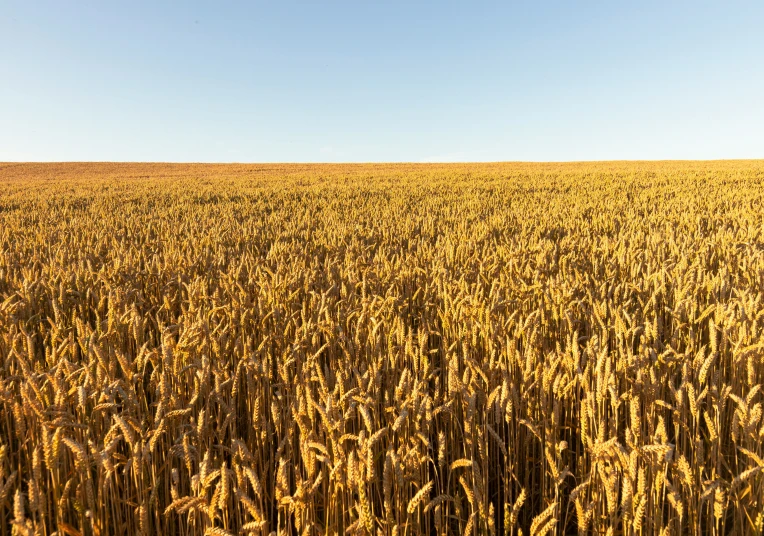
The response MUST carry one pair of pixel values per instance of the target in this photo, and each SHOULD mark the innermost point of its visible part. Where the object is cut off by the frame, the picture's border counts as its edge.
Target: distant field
(382, 349)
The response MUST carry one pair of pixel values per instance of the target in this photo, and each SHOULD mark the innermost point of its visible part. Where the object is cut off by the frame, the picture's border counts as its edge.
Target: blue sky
(386, 81)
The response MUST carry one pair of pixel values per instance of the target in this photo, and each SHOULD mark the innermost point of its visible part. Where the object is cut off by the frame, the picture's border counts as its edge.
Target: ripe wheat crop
(382, 349)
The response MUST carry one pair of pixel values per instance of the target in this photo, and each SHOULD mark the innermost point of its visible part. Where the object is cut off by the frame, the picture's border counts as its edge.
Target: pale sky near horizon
(393, 81)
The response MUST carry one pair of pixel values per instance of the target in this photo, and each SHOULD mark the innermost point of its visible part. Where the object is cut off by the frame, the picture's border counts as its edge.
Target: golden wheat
(382, 349)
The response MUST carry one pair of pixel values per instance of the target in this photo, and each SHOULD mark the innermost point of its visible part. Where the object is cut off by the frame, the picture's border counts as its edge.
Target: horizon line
(378, 162)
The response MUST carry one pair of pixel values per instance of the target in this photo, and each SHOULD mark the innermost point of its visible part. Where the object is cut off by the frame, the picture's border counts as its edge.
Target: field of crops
(382, 349)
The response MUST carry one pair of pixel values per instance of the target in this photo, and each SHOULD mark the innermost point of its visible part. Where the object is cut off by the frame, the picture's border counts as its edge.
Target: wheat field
(382, 349)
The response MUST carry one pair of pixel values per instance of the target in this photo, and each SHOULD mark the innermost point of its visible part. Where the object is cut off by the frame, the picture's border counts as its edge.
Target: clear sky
(281, 81)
